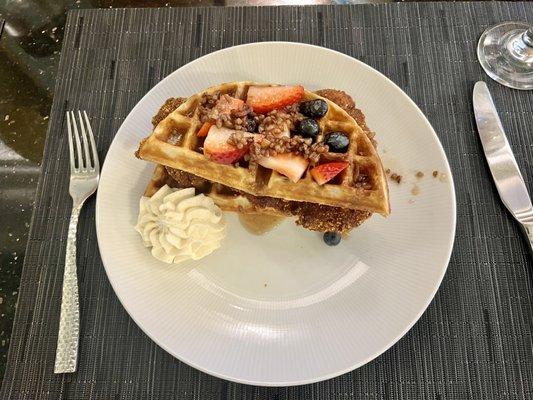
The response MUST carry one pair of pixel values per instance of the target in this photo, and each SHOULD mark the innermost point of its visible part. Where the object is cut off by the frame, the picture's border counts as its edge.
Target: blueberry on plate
(332, 238)
(314, 108)
(251, 125)
(337, 142)
(309, 128)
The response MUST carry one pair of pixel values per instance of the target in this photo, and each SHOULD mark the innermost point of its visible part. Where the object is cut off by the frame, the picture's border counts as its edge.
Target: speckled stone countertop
(31, 33)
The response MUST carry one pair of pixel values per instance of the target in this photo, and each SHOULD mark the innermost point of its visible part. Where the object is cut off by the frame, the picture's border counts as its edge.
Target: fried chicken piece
(315, 217)
(322, 218)
(170, 105)
(185, 179)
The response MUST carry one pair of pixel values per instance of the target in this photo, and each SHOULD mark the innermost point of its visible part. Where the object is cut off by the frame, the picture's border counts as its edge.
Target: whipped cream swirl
(178, 225)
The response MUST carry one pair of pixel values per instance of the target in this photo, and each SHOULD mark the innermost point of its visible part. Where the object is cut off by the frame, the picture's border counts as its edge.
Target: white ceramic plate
(284, 308)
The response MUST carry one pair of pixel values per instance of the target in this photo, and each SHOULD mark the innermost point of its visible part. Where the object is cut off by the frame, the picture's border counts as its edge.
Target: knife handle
(527, 228)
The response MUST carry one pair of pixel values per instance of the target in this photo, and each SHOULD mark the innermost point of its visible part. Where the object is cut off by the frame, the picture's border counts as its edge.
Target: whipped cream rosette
(178, 225)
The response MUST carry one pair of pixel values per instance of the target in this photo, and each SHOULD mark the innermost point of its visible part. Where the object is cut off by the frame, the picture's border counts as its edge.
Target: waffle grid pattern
(174, 143)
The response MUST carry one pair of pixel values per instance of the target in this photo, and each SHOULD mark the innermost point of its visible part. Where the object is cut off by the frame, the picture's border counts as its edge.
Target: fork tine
(88, 163)
(93, 143)
(81, 165)
(70, 145)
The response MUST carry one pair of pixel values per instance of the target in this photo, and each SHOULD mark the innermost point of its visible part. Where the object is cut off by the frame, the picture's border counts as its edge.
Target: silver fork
(84, 174)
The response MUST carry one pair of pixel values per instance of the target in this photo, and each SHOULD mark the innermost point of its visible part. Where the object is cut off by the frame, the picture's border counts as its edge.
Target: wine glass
(505, 52)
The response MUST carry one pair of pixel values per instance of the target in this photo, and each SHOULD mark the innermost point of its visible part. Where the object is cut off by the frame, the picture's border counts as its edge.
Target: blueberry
(332, 238)
(337, 142)
(251, 125)
(309, 128)
(314, 108)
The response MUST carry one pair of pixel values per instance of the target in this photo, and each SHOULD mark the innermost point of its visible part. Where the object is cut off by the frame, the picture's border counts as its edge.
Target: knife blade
(502, 163)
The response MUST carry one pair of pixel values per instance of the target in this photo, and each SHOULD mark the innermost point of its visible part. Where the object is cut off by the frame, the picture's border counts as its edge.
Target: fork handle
(69, 322)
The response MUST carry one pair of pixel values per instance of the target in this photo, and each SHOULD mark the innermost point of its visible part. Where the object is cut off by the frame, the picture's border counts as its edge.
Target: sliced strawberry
(226, 104)
(263, 99)
(325, 172)
(217, 148)
(290, 165)
(204, 129)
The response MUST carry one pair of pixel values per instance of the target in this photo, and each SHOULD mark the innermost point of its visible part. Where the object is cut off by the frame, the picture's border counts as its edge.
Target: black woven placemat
(475, 339)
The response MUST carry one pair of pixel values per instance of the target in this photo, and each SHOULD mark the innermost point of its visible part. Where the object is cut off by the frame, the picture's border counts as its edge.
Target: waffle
(224, 197)
(174, 143)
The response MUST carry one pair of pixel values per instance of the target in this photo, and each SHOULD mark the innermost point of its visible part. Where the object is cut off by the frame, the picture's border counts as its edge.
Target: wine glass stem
(520, 48)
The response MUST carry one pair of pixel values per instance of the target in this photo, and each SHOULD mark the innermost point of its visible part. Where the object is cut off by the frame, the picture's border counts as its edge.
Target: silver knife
(502, 164)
